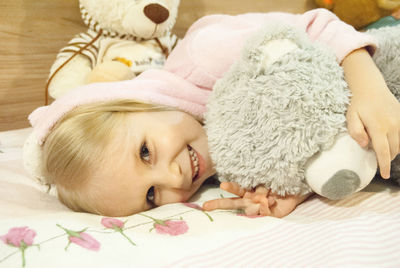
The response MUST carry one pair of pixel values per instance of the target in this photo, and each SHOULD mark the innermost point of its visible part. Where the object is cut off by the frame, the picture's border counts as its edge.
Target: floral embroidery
(112, 223)
(197, 207)
(20, 237)
(81, 239)
(171, 227)
(117, 226)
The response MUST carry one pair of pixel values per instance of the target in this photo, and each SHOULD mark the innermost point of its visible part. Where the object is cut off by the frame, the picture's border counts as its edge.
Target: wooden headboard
(32, 32)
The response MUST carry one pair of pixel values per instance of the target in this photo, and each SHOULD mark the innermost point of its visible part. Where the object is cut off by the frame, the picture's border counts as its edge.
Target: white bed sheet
(361, 231)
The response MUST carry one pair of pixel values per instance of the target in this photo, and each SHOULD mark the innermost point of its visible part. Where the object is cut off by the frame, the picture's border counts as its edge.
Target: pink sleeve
(214, 42)
(323, 26)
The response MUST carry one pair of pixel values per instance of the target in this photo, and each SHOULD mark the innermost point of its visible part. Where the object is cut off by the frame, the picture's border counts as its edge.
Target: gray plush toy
(277, 117)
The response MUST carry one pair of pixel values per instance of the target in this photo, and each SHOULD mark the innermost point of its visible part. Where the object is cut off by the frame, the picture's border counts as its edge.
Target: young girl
(120, 148)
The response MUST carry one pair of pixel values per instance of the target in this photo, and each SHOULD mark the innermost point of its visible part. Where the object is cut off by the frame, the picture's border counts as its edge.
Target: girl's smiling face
(156, 159)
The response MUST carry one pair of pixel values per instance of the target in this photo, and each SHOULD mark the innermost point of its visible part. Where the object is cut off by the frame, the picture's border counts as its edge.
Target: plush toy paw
(342, 170)
(342, 184)
(110, 71)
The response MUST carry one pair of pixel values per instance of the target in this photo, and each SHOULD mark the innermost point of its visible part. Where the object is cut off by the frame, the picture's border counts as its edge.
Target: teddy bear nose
(156, 13)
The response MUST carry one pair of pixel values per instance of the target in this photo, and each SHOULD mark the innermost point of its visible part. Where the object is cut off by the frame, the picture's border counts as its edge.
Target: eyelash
(150, 195)
(145, 153)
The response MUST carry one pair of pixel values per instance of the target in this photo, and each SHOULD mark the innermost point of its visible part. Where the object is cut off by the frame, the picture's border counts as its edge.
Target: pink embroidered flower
(172, 227)
(81, 239)
(116, 225)
(20, 237)
(111, 223)
(17, 235)
(86, 241)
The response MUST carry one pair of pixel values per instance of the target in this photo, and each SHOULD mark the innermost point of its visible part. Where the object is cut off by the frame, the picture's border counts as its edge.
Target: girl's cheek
(177, 119)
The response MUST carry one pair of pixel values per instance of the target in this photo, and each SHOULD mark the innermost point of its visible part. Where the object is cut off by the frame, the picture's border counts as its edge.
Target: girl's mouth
(194, 162)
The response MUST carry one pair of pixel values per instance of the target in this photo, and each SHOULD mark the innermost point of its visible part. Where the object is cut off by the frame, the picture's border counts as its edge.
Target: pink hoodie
(209, 48)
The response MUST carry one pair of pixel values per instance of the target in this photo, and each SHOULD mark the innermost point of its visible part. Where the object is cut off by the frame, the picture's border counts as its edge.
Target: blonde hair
(77, 144)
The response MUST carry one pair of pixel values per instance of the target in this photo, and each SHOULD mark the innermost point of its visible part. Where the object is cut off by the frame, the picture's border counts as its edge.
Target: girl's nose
(175, 176)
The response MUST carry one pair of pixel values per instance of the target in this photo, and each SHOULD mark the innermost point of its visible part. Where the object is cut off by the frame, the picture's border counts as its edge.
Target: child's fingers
(263, 198)
(233, 188)
(382, 150)
(226, 203)
(265, 203)
(262, 190)
(356, 129)
(393, 139)
(252, 210)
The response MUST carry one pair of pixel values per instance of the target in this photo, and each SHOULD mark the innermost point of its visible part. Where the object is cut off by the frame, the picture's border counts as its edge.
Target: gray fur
(264, 122)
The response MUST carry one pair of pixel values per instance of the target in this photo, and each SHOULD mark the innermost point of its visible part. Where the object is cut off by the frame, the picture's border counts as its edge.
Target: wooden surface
(32, 32)
(191, 10)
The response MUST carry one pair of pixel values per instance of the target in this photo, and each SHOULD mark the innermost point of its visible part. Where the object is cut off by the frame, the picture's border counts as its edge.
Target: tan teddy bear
(124, 38)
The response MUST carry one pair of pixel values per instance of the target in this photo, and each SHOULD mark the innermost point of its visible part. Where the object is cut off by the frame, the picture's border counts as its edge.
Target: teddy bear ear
(328, 4)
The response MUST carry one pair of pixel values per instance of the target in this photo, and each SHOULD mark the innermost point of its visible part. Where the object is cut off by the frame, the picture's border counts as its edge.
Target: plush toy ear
(32, 158)
(388, 4)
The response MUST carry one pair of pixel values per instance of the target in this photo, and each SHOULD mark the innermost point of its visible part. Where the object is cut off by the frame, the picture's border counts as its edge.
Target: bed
(360, 231)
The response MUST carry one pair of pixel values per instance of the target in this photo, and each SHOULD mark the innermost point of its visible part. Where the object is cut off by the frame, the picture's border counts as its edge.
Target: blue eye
(150, 195)
(145, 152)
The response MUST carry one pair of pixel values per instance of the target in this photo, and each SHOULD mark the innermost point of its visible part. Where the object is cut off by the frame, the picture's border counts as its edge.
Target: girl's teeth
(195, 161)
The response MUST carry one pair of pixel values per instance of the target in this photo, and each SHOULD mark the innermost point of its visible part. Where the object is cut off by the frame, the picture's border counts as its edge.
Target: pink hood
(207, 51)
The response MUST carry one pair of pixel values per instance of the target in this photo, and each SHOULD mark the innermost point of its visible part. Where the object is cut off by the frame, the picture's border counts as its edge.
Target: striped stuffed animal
(125, 38)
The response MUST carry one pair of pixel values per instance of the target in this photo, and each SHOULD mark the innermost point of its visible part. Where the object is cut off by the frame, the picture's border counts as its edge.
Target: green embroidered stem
(157, 221)
(50, 239)
(23, 256)
(6, 257)
(133, 226)
(130, 241)
(208, 215)
(22, 249)
(66, 248)
(144, 223)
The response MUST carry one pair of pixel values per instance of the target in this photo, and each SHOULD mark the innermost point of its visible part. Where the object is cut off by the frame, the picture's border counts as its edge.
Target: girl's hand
(259, 201)
(374, 113)
(376, 117)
